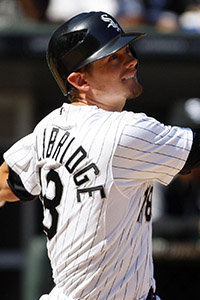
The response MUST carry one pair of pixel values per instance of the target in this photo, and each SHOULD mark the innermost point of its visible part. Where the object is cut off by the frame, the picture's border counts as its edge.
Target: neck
(105, 104)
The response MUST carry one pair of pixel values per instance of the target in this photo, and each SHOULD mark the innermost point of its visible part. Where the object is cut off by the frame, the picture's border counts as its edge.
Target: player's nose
(131, 62)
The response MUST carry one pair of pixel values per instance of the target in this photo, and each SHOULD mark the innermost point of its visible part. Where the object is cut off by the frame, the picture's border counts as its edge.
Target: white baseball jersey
(94, 171)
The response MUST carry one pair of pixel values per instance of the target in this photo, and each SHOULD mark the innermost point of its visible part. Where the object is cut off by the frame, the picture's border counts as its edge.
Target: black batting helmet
(83, 39)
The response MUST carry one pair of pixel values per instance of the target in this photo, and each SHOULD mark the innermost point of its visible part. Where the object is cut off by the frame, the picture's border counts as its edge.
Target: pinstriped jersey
(94, 170)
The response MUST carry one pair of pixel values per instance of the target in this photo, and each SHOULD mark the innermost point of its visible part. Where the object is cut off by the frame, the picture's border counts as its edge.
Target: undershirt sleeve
(18, 188)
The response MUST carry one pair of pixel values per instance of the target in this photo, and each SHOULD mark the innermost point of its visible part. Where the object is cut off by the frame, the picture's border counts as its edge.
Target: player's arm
(11, 186)
(6, 194)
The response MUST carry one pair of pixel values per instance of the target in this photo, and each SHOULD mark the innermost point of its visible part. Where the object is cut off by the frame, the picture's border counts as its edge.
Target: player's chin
(135, 92)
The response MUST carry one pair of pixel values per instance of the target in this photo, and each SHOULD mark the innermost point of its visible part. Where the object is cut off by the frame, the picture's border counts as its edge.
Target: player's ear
(78, 80)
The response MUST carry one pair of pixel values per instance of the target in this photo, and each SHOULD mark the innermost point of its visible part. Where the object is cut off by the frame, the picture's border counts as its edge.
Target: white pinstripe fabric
(102, 247)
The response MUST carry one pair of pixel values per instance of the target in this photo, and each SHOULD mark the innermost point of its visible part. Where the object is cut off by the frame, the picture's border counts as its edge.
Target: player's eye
(113, 57)
(128, 50)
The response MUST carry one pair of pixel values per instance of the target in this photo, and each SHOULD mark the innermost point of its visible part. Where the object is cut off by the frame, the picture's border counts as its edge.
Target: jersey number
(147, 205)
(51, 204)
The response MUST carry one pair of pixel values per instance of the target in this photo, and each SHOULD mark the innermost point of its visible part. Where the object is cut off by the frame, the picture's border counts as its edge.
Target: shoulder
(49, 118)
(144, 128)
(141, 122)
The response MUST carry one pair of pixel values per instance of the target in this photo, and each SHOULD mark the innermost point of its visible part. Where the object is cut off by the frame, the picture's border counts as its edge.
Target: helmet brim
(115, 45)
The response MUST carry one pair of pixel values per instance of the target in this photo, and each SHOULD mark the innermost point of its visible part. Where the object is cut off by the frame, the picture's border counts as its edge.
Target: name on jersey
(57, 148)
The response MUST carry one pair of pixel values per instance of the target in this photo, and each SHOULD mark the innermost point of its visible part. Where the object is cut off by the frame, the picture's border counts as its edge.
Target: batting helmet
(83, 39)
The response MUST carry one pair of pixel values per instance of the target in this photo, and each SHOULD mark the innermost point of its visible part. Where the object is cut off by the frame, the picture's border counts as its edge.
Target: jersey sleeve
(21, 158)
(150, 151)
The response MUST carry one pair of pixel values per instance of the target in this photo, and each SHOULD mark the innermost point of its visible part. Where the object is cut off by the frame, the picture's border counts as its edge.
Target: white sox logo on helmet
(107, 19)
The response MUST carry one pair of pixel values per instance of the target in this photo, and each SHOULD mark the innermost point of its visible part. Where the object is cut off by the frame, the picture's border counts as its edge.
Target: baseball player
(92, 165)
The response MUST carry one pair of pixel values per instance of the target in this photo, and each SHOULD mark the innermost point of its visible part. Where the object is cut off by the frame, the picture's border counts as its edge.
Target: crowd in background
(166, 15)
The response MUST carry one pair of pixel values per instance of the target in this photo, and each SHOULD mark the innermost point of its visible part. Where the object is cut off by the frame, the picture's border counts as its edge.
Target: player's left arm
(6, 194)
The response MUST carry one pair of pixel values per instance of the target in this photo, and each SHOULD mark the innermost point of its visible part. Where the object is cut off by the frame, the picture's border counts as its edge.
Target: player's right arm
(6, 194)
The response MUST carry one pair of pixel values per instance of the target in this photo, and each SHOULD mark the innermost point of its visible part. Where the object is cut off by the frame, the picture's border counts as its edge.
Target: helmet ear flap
(60, 44)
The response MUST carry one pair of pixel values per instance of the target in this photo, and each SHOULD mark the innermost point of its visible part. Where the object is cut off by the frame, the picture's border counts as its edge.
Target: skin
(108, 84)
(5, 192)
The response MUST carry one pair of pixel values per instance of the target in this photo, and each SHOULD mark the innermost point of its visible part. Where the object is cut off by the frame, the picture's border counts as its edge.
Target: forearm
(6, 193)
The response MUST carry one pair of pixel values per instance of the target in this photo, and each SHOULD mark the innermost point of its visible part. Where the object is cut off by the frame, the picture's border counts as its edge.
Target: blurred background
(169, 72)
